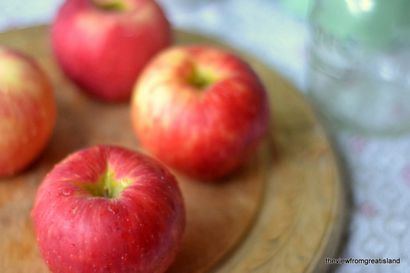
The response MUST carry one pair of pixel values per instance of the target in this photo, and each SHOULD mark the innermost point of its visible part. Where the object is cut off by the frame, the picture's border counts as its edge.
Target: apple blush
(102, 45)
(201, 110)
(27, 111)
(109, 209)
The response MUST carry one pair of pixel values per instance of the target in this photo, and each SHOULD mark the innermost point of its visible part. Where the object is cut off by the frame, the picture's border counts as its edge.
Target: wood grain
(282, 212)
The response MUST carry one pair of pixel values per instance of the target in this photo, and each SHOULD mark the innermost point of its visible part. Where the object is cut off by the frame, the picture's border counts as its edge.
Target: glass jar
(359, 68)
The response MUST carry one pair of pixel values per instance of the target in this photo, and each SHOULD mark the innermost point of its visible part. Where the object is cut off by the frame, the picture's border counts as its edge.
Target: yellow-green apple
(27, 111)
(201, 110)
(102, 45)
(108, 209)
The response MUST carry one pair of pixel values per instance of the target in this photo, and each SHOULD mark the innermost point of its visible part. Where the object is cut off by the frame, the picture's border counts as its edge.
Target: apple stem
(107, 193)
(110, 5)
(200, 78)
(107, 186)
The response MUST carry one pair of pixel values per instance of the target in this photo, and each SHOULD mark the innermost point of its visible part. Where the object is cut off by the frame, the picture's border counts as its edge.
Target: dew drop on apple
(66, 192)
(124, 257)
(112, 209)
(73, 212)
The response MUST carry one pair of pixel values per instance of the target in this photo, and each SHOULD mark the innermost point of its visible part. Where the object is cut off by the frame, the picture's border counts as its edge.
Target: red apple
(108, 209)
(102, 45)
(200, 110)
(27, 111)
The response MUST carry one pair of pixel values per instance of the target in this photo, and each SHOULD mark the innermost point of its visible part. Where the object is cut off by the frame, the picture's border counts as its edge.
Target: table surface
(377, 170)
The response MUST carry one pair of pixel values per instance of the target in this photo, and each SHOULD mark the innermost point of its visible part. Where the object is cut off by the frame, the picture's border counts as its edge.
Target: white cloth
(379, 168)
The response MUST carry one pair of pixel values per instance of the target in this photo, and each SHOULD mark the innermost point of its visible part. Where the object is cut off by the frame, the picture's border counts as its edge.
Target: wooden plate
(282, 212)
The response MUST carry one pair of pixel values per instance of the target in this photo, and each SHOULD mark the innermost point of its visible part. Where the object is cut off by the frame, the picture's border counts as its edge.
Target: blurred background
(350, 60)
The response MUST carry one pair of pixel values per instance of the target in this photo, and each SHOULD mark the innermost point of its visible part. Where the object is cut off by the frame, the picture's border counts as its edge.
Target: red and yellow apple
(109, 209)
(201, 110)
(102, 45)
(27, 111)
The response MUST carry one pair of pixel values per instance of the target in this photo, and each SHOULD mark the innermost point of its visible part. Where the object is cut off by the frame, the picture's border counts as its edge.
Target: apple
(108, 209)
(27, 111)
(201, 110)
(102, 45)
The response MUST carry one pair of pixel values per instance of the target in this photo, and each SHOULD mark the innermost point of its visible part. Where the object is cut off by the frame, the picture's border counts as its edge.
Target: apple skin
(103, 51)
(27, 111)
(201, 110)
(138, 231)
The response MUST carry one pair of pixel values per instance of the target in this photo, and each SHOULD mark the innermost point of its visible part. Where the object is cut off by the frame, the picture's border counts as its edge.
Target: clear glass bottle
(359, 76)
